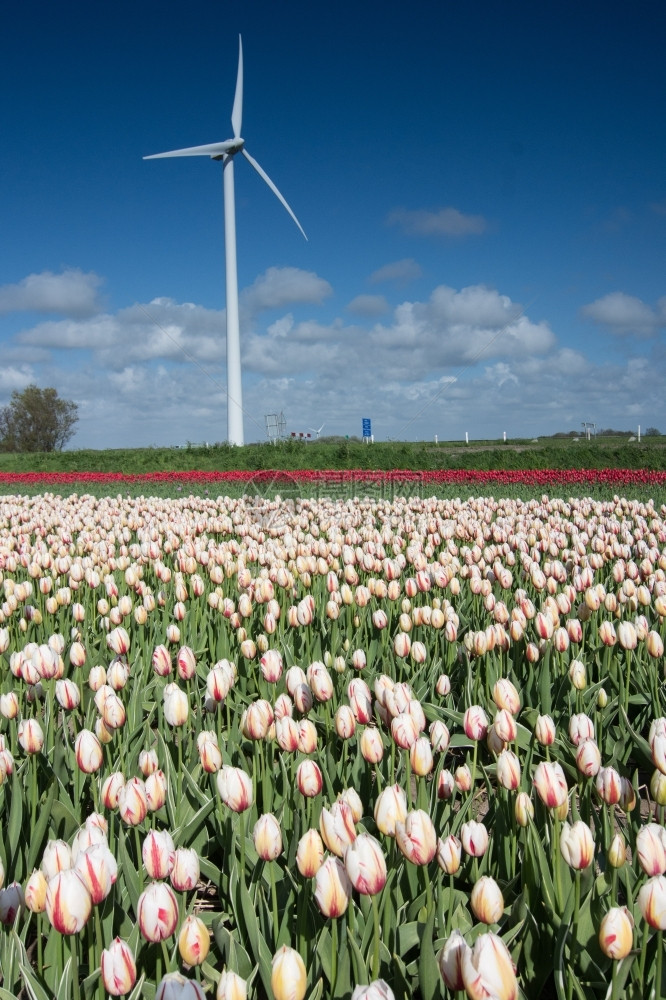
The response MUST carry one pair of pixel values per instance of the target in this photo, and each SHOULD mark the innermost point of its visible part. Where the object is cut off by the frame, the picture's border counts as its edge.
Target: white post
(639, 433)
(504, 437)
(234, 384)
(435, 439)
(466, 437)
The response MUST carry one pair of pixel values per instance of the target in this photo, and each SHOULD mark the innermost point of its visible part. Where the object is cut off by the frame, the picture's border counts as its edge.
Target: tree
(652, 432)
(37, 420)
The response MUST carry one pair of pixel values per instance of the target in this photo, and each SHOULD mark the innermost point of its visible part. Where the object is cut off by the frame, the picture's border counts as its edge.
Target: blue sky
(482, 185)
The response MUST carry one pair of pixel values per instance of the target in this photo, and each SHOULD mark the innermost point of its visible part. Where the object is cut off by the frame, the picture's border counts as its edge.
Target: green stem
(40, 945)
(334, 954)
(626, 690)
(409, 780)
(241, 824)
(139, 857)
(657, 974)
(646, 933)
(73, 946)
(573, 950)
(557, 877)
(179, 740)
(374, 972)
(276, 928)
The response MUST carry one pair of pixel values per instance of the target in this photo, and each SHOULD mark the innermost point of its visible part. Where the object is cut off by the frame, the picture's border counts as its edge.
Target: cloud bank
(459, 360)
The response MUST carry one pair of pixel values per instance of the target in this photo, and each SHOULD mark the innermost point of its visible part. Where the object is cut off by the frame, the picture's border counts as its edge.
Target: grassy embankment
(348, 454)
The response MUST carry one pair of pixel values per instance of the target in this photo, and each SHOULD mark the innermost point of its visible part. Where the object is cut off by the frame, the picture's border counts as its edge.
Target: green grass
(341, 453)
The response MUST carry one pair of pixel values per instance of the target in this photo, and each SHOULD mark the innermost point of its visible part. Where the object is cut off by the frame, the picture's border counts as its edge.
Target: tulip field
(393, 747)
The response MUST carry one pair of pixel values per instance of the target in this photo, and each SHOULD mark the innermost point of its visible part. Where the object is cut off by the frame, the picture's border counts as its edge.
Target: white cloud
(459, 360)
(71, 293)
(282, 286)
(368, 305)
(625, 314)
(15, 378)
(398, 271)
(445, 222)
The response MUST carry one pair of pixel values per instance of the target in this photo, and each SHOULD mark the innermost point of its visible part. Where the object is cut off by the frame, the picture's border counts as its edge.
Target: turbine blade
(262, 173)
(237, 111)
(212, 149)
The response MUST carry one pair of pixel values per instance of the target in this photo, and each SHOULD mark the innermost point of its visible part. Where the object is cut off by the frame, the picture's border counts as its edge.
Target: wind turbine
(317, 431)
(226, 151)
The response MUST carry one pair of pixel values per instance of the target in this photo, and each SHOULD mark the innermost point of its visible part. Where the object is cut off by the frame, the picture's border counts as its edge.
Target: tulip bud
(443, 686)
(577, 844)
(463, 778)
(651, 849)
(474, 838)
(68, 903)
(445, 784)
(366, 865)
(35, 891)
(345, 722)
(616, 935)
(336, 826)
(486, 900)
(267, 837)
(487, 969)
(235, 788)
(307, 736)
(439, 736)
(194, 940)
(609, 785)
(377, 990)
(30, 736)
(390, 809)
(157, 912)
(578, 675)
(416, 837)
(309, 778)
(617, 852)
(173, 986)
(551, 784)
(57, 857)
(98, 869)
(420, 756)
(88, 752)
(652, 902)
(332, 888)
(508, 770)
(158, 853)
(133, 802)
(118, 968)
(186, 869)
(231, 987)
(288, 978)
(524, 809)
(176, 705)
(111, 789)
(450, 961)
(310, 854)
(475, 723)
(588, 758)
(372, 747)
(449, 854)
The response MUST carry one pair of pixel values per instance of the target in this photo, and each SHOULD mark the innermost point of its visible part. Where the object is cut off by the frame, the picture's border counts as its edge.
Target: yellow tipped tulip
(288, 978)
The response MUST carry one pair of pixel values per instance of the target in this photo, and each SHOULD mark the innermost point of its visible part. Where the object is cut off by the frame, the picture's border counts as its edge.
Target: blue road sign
(367, 427)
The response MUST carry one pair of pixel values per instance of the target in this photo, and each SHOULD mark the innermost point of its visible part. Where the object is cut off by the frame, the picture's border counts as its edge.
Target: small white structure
(276, 425)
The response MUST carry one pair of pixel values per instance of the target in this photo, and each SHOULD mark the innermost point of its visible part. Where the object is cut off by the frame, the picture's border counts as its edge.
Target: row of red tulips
(546, 478)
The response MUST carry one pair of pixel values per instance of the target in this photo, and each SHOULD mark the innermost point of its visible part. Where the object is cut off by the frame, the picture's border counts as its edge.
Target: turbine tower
(226, 151)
